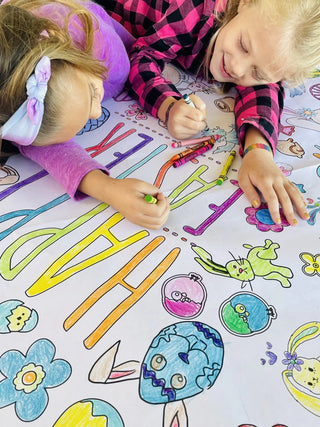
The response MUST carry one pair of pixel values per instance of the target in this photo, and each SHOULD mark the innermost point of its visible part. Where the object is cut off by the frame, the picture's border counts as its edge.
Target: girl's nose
(240, 68)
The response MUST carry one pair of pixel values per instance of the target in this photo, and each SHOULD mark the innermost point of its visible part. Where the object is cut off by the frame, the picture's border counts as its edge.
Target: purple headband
(24, 125)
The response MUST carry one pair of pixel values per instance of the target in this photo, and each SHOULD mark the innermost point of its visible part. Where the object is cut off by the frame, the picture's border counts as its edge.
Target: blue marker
(188, 101)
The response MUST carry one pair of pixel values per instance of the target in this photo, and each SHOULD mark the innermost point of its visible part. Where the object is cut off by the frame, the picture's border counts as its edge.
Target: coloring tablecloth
(213, 320)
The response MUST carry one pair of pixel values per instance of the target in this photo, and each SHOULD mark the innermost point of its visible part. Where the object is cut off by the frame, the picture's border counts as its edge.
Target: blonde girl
(251, 44)
(59, 60)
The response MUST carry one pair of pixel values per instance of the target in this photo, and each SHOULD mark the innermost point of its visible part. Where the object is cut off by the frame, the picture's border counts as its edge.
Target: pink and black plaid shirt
(179, 31)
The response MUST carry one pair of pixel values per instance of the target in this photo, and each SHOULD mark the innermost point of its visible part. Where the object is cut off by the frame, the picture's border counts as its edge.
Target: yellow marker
(150, 199)
(226, 167)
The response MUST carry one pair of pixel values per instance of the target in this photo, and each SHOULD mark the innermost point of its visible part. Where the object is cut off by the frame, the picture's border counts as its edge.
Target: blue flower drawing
(292, 361)
(27, 378)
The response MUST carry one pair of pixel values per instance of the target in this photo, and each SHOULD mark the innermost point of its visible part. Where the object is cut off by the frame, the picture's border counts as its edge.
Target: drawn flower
(311, 263)
(260, 217)
(292, 361)
(307, 113)
(27, 378)
(136, 111)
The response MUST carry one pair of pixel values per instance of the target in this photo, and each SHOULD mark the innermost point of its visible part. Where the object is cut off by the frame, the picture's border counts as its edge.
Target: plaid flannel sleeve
(261, 107)
(146, 81)
(164, 41)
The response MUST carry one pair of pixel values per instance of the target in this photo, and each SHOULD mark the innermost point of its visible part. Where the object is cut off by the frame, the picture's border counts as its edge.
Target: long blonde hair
(25, 38)
(300, 22)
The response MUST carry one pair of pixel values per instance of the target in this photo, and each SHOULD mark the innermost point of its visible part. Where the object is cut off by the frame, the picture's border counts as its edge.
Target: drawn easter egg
(315, 91)
(184, 295)
(253, 425)
(183, 360)
(246, 314)
(90, 413)
(16, 317)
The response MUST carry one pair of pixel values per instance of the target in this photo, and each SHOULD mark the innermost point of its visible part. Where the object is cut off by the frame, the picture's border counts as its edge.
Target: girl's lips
(223, 70)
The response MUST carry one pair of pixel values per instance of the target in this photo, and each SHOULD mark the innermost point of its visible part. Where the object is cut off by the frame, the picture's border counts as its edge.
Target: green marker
(150, 199)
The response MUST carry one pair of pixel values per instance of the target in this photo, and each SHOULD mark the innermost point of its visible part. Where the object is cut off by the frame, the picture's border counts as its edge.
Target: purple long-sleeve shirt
(68, 162)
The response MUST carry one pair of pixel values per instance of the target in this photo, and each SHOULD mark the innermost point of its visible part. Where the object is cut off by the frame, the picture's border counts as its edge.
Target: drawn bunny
(257, 263)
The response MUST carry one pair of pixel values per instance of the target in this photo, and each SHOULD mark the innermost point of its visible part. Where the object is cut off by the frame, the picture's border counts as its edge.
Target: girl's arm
(81, 175)
(259, 176)
(166, 32)
(127, 197)
(66, 162)
(261, 107)
(258, 110)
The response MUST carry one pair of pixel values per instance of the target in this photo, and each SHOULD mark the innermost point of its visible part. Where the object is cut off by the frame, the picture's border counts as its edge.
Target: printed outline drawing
(257, 263)
(297, 376)
(183, 360)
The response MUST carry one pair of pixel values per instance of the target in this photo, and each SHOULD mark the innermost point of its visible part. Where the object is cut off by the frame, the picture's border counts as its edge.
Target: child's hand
(259, 171)
(184, 120)
(127, 197)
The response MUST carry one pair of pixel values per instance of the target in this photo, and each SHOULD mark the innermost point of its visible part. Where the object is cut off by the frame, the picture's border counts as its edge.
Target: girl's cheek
(96, 110)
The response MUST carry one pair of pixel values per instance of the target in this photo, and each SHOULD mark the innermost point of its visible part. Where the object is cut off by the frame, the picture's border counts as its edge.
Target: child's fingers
(297, 200)
(193, 114)
(250, 191)
(196, 112)
(199, 104)
(269, 195)
(272, 201)
(154, 216)
(185, 121)
(290, 197)
(161, 196)
(285, 201)
(187, 130)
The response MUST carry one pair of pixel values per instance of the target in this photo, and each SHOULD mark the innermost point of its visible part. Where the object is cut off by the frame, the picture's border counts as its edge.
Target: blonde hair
(300, 22)
(25, 38)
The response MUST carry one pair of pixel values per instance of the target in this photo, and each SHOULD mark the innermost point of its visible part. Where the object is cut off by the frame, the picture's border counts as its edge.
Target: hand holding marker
(226, 167)
(150, 199)
(188, 101)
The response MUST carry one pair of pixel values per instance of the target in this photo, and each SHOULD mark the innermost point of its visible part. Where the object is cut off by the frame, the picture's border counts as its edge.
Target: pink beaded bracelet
(253, 146)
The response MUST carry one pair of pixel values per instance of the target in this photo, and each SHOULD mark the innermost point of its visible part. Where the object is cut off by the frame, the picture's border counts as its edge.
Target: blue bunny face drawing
(183, 360)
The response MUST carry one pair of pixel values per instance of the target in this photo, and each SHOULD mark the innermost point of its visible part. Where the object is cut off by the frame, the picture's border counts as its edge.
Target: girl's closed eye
(256, 75)
(242, 45)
